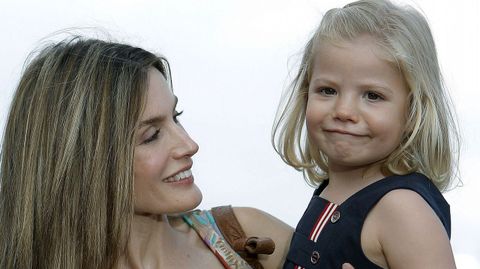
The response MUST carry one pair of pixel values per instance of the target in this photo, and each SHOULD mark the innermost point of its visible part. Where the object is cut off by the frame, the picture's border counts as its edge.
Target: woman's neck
(153, 239)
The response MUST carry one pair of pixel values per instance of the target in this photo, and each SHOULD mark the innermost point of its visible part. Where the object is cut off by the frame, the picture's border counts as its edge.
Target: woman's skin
(164, 187)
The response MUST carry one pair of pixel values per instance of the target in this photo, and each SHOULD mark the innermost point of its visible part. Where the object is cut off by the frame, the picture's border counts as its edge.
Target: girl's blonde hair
(67, 155)
(431, 145)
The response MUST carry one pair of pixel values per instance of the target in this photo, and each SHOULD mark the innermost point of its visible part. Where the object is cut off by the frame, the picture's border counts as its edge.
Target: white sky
(230, 62)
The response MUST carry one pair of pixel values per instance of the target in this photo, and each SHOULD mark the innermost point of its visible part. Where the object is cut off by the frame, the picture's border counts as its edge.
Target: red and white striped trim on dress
(320, 223)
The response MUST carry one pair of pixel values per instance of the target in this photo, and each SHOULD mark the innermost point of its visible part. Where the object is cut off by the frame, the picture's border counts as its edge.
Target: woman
(95, 167)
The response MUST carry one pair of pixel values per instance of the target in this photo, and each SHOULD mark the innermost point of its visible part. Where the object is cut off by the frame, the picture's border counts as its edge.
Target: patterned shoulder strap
(247, 247)
(204, 225)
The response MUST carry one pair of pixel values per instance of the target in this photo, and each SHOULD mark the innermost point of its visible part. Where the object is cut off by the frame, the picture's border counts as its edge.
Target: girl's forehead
(358, 40)
(381, 49)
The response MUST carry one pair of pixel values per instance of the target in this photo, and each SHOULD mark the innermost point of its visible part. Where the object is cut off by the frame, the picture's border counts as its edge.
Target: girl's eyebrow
(323, 80)
(368, 84)
(379, 86)
(157, 119)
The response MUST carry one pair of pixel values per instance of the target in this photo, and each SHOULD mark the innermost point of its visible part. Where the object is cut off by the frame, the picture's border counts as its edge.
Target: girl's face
(163, 151)
(357, 104)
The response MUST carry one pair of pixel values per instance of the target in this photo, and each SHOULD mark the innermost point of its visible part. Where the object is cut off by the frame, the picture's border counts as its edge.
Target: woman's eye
(327, 91)
(372, 96)
(152, 137)
(176, 115)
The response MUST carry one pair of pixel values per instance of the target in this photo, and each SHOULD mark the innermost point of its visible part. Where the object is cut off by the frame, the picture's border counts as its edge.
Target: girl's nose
(345, 109)
(185, 146)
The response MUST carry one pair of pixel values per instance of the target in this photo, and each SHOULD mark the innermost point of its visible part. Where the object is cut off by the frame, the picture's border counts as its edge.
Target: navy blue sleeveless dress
(328, 235)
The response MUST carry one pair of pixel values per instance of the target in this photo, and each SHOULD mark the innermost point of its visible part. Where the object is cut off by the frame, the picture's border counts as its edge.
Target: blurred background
(231, 61)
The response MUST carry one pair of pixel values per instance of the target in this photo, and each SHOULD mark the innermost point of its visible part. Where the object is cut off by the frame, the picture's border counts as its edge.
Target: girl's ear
(406, 136)
(410, 124)
(409, 118)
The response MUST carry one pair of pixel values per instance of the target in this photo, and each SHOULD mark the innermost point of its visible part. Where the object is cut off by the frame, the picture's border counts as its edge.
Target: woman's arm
(258, 223)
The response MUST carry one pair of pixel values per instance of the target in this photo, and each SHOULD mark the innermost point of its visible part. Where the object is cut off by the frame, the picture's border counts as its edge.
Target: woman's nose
(185, 146)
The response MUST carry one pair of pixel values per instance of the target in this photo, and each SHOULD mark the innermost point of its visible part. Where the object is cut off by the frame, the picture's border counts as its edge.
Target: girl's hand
(347, 266)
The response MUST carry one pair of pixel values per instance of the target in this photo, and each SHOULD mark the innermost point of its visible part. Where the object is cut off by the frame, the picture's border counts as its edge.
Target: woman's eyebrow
(151, 121)
(157, 119)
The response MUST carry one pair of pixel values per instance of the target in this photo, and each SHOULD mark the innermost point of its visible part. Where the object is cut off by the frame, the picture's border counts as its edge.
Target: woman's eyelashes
(176, 115)
(152, 137)
(155, 134)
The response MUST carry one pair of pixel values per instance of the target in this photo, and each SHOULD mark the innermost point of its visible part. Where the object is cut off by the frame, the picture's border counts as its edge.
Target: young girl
(379, 145)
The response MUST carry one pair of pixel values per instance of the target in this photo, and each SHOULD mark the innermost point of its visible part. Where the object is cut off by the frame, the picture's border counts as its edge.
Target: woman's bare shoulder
(256, 217)
(256, 222)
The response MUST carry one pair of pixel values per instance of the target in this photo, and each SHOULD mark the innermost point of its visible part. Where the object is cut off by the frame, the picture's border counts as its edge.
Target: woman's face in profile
(162, 160)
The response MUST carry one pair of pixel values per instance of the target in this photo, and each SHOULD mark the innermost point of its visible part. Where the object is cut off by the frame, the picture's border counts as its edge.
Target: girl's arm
(258, 223)
(409, 232)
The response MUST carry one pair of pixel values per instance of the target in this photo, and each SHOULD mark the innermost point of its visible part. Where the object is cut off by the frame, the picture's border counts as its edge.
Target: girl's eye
(327, 91)
(152, 137)
(176, 115)
(372, 96)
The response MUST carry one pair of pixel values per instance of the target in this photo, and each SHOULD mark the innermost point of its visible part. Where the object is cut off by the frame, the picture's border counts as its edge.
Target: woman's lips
(181, 177)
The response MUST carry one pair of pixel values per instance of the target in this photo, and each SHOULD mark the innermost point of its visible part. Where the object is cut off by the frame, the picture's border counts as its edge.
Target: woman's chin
(195, 199)
(194, 203)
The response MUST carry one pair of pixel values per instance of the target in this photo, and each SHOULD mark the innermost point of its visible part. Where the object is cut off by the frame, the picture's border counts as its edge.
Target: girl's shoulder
(415, 190)
(404, 204)
(410, 231)
(413, 182)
